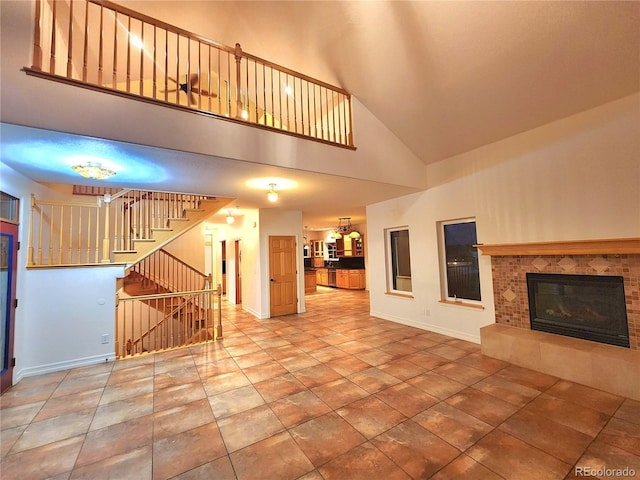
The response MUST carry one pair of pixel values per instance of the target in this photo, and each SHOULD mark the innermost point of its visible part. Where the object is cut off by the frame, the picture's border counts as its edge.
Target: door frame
(9, 229)
(271, 280)
(238, 275)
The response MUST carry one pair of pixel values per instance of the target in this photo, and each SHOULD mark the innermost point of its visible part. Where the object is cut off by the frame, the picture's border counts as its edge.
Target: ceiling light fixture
(230, 217)
(272, 194)
(93, 170)
(345, 228)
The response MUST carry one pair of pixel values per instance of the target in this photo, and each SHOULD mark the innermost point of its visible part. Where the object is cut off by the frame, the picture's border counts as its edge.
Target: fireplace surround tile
(605, 367)
(510, 272)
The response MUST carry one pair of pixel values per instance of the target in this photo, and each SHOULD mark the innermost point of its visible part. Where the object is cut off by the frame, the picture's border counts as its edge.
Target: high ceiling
(445, 76)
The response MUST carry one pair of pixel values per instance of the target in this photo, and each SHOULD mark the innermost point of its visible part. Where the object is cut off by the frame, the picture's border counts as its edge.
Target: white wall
(578, 178)
(60, 320)
(188, 247)
(274, 222)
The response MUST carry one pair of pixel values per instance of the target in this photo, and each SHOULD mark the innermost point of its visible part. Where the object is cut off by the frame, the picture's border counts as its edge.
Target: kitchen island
(349, 278)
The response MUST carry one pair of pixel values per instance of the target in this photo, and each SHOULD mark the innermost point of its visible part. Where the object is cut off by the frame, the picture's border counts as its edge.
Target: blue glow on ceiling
(61, 153)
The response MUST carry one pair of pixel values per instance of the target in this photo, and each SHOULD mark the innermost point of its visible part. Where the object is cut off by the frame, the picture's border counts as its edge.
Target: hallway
(329, 394)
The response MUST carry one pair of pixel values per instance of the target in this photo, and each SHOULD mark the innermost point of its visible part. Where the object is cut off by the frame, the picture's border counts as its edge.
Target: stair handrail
(170, 272)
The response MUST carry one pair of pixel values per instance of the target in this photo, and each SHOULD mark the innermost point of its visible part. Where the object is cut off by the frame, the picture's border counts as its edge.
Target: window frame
(442, 261)
(391, 275)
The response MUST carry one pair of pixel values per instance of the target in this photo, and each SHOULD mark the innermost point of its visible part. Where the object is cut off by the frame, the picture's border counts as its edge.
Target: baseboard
(428, 327)
(66, 365)
(254, 313)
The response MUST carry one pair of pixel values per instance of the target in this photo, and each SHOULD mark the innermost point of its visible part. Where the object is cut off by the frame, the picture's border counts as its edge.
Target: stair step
(177, 219)
(125, 251)
(144, 240)
(162, 229)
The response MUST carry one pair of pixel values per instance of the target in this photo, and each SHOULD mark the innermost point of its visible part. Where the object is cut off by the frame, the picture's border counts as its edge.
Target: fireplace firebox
(591, 307)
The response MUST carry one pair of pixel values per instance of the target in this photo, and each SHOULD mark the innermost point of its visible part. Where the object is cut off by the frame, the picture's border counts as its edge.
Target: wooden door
(283, 277)
(8, 268)
(223, 258)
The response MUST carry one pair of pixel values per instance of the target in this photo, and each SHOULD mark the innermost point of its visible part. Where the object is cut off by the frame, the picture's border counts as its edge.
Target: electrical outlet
(105, 338)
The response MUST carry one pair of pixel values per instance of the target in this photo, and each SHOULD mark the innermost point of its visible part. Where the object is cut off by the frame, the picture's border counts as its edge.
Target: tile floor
(329, 394)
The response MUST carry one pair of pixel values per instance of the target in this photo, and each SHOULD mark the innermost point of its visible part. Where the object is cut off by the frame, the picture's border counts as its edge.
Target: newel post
(219, 329)
(30, 258)
(106, 248)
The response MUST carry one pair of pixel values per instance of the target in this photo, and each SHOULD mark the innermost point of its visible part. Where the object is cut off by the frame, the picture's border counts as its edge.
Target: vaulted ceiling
(445, 76)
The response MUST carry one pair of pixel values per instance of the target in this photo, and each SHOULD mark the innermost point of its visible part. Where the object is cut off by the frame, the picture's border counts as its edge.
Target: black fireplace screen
(590, 307)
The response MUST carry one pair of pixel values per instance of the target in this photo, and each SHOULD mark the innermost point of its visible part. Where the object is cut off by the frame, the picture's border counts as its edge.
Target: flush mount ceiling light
(345, 228)
(93, 170)
(272, 194)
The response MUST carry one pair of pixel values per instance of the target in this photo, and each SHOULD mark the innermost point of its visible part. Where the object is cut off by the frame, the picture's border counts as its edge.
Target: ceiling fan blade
(204, 93)
(193, 79)
(173, 80)
(169, 91)
(192, 98)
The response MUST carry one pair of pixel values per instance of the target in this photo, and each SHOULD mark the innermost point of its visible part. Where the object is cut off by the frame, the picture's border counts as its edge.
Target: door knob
(271, 280)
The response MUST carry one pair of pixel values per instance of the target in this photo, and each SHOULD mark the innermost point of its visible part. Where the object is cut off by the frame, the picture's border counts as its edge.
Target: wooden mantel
(609, 246)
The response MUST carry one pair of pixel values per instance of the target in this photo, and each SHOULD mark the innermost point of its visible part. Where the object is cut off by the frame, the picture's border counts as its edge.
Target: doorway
(283, 277)
(8, 269)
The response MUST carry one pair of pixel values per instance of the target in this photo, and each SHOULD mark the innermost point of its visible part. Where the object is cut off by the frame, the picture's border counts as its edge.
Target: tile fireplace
(537, 339)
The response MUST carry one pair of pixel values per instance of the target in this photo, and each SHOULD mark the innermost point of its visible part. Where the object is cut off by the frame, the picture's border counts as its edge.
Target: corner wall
(60, 320)
(577, 178)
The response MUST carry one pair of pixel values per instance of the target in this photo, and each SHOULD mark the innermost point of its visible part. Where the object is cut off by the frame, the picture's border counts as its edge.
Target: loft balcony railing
(104, 46)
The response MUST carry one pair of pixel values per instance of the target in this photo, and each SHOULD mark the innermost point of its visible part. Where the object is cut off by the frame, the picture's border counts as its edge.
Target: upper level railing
(101, 45)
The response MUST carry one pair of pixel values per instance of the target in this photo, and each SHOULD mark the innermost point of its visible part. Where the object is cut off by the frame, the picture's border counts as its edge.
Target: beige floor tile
(514, 459)
(370, 416)
(419, 452)
(42, 462)
(314, 396)
(275, 458)
(187, 450)
(116, 440)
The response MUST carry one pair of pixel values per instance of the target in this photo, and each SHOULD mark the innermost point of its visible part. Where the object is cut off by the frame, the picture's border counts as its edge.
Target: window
(8, 207)
(459, 260)
(398, 260)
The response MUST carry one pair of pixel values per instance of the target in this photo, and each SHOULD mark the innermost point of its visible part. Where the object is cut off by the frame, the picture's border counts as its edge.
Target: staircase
(120, 228)
(165, 303)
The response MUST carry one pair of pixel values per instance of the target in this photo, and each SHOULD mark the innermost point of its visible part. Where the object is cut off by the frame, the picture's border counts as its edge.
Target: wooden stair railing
(185, 317)
(169, 272)
(103, 46)
(119, 228)
(181, 320)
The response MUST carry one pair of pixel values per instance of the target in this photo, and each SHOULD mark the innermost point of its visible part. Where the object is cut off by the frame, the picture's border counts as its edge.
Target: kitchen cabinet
(342, 278)
(309, 281)
(322, 276)
(357, 279)
(350, 279)
(350, 247)
(317, 253)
